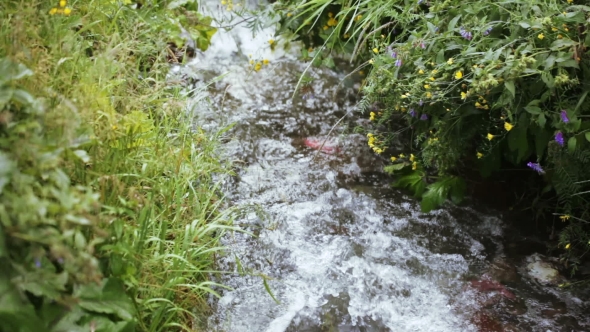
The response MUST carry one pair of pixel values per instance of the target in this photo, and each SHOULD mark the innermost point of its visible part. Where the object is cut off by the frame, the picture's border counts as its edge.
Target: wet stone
(542, 271)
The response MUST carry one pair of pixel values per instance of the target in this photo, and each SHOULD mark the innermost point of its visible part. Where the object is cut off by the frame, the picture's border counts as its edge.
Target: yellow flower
(508, 126)
(346, 35)
(414, 166)
(570, 1)
(559, 36)
(372, 116)
(553, 29)
(458, 75)
(490, 136)
(67, 11)
(53, 11)
(265, 61)
(330, 14)
(420, 71)
(450, 61)
(401, 155)
(541, 36)
(463, 95)
(332, 22)
(567, 246)
(325, 27)
(271, 41)
(369, 135)
(289, 14)
(371, 61)
(477, 104)
(257, 66)
(565, 217)
(412, 157)
(62, 3)
(479, 155)
(428, 95)
(393, 158)
(432, 78)
(358, 17)
(376, 50)
(434, 71)
(426, 86)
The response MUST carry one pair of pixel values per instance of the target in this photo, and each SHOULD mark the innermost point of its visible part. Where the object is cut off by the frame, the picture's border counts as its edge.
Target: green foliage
(109, 214)
(479, 84)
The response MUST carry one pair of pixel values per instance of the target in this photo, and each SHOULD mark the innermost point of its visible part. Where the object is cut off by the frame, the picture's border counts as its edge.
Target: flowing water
(337, 247)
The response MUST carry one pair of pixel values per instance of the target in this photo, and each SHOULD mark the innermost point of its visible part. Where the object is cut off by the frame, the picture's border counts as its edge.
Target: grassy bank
(109, 214)
(478, 90)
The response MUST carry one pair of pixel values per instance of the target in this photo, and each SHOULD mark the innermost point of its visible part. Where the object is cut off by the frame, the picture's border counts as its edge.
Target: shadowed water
(339, 249)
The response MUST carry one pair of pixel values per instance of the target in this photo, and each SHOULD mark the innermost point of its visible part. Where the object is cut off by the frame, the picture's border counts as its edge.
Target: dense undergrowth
(110, 217)
(475, 85)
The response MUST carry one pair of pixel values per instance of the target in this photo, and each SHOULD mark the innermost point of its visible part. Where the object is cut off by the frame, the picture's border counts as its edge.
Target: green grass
(119, 135)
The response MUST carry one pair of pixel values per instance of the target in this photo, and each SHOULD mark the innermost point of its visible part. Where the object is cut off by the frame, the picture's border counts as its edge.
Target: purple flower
(394, 54)
(422, 45)
(559, 138)
(564, 117)
(412, 113)
(465, 34)
(487, 32)
(420, 102)
(424, 117)
(398, 62)
(536, 166)
(37, 263)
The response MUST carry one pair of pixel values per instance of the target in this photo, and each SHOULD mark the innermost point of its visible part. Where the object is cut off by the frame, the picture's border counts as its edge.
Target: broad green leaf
(435, 195)
(395, 167)
(329, 62)
(571, 144)
(509, 85)
(587, 135)
(5, 96)
(541, 120)
(6, 167)
(44, 284)
(533, 109)
(524, 24)
(16, 314)
(413, 181)
(453, 23)
(109, 298)
(83, 155)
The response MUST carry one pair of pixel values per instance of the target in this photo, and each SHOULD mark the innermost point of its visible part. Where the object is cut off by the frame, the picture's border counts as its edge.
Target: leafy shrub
(109, 214)
(478, 83)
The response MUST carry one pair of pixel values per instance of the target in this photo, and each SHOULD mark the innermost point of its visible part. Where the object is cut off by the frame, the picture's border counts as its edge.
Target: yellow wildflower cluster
(508, 126)
(458, 75)
(482, 103)
(490, 137)
(358, 17)
(257, 65)
(565, 217)
(372, 116)
(61, 9)
(372, 145)
(332, 21)
(479, 155)
(432, 140)
(228, 3)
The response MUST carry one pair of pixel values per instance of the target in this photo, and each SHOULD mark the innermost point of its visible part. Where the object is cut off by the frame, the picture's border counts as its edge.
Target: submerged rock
(541, 270)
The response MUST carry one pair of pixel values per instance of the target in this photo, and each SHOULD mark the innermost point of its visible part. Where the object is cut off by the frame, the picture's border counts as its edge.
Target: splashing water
(338, 248)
